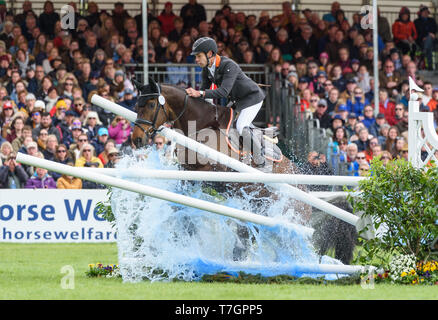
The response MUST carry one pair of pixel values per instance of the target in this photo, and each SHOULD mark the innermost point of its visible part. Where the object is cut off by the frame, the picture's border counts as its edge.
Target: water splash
(160, 240)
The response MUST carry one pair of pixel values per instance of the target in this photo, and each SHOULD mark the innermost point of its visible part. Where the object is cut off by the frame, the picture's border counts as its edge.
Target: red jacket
(167, 22)
(389, 112)
(402, 30)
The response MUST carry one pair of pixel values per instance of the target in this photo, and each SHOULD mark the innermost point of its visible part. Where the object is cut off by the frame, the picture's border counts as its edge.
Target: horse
(160, 104)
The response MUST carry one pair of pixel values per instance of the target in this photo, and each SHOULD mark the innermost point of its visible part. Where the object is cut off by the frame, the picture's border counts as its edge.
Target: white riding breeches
(247, 116)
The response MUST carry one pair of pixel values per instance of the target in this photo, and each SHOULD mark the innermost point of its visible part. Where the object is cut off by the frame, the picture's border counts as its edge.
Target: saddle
(266, 136)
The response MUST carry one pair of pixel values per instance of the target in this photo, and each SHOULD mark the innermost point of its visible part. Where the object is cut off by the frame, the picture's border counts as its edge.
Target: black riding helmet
(204, 45)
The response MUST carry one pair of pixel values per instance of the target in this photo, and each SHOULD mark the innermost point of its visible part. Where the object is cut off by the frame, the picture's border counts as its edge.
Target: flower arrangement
(403, 269)
(99, 270)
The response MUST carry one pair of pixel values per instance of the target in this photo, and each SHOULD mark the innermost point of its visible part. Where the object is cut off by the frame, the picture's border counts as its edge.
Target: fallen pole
(243, 177)
(230, 162)
(235, 164)
(159, 193)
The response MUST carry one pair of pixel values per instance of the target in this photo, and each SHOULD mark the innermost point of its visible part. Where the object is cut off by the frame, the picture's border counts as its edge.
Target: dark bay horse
(160, 104)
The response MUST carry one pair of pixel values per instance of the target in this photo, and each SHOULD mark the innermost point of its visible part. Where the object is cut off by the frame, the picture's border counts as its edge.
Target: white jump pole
(238, 177)
(229, 162)
(158, 193)
(241, 167)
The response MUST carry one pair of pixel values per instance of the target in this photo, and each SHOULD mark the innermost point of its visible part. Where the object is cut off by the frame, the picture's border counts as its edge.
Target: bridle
(160, 105)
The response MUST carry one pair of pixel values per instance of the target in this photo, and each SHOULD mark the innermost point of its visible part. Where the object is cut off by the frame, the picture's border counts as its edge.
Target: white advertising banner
(53, 215)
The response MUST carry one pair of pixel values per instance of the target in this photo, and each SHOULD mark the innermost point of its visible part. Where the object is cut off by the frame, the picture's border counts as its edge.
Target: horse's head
(149, 114)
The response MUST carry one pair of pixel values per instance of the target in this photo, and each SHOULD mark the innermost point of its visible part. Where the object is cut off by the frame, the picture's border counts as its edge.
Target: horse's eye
(151, 105)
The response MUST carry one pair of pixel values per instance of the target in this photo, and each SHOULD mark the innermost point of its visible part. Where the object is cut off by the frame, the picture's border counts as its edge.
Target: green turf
(33, 271)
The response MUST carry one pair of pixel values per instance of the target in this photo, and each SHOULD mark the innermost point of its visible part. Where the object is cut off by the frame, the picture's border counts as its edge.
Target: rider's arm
(230, 74)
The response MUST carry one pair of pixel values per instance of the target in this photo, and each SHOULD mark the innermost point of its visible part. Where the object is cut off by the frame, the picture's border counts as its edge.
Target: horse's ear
(137, 84)
(153, 85)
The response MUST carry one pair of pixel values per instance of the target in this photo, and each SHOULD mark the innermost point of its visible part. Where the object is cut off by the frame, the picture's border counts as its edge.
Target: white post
(375, 59)
(159, 193)
(145, 42)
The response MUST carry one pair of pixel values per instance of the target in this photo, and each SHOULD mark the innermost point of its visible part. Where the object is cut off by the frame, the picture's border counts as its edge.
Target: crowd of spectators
(48, 75)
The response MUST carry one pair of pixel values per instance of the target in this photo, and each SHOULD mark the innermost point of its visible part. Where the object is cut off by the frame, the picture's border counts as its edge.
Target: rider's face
(201, 59)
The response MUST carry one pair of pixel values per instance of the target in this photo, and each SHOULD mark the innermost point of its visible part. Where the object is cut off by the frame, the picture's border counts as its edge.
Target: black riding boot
(251, 143)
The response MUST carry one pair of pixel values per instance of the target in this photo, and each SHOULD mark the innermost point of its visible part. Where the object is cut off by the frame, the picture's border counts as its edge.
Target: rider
(231, 83)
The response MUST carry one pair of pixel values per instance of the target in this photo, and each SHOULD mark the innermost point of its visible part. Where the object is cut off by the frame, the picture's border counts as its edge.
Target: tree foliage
(402, 204)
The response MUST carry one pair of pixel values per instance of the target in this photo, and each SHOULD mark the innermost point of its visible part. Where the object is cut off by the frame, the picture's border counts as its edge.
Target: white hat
(39, 104)
(30, 96)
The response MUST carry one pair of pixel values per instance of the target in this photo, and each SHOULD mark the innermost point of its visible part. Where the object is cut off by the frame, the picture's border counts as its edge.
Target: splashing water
(160, 240)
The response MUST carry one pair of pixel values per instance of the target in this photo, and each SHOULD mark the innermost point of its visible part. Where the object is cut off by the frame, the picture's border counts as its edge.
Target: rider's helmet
(204, 45)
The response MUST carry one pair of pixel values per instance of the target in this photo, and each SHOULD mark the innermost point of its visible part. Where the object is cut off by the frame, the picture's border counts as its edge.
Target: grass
(33, 271)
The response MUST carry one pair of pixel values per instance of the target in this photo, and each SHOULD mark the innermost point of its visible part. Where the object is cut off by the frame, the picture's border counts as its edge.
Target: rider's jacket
(231, 83)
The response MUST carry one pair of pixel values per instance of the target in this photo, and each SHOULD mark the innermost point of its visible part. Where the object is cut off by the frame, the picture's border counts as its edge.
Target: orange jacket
(402, 30)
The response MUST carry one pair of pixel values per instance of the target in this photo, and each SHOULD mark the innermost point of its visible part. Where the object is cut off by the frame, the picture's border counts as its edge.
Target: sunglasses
(328, 84)
(69, 84)
(35, 114)
(159, 143)
(313, 100)
(61, 151)
(83, 140)
(398, 109)
(79, 104)
(87, 150)
(44, 134)
(363, 169)
(360, 158)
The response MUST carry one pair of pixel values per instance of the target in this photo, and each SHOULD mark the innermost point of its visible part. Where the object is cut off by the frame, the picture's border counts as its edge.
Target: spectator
(99, 141)
(5, 151)
(307, 43)
(363, 141)
(384, 27)
(357, 102)
(350, 123)
(398, 147)
(433, 102)
(81, 139)
(113, 158)
(61, 156)
(404, 32)
(351, 158)
(393, 133)
(119, 130)
(104, 155)
(321, 112)
(48, 19)
(333, 97)
(40, 180)
(375, 128)
(87, 157)
(402, 125)
(364, 169)
(192, 14)
(50, 147)
(119, 15)
(91, 125)
(389, 78)
(386, 157)
(46, 123)
(387, 107)
(331, 16)
(426, 28)
(368, 119)
(69, 182)
(12, 174)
